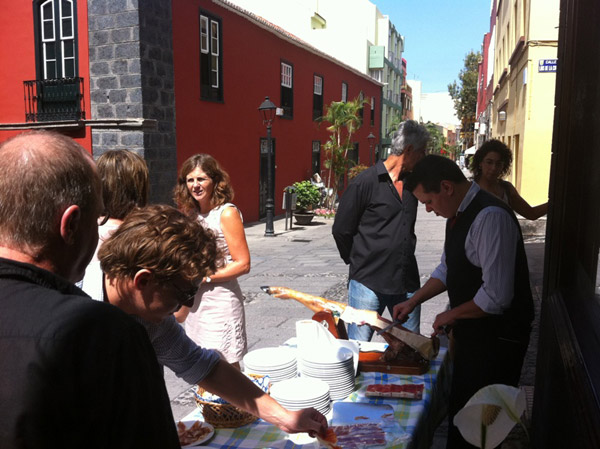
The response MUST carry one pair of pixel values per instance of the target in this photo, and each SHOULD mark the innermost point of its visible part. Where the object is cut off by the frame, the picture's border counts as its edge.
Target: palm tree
(344, 120)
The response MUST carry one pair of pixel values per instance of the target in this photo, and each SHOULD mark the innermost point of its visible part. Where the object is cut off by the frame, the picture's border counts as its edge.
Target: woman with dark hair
(490, 164)
(125, 183)
(217, 318)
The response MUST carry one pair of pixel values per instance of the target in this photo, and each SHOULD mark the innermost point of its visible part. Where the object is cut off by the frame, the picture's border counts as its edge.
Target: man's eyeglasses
(186, 297)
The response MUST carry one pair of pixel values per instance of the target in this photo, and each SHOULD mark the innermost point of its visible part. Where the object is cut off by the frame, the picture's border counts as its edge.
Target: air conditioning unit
(502, 116)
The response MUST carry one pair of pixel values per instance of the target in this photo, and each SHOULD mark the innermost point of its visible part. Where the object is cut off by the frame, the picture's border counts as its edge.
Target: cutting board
(346, 413)
(369, 362)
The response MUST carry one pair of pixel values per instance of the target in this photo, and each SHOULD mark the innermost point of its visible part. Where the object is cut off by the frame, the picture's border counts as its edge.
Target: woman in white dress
(217, 319)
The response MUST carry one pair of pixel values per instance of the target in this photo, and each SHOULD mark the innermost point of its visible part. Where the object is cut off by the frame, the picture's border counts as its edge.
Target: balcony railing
(54, 100)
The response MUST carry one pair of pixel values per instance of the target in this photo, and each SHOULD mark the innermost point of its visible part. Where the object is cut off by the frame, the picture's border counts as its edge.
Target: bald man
(74, 372)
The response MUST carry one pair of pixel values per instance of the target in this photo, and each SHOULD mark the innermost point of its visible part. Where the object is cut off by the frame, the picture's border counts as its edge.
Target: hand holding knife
(388, 327)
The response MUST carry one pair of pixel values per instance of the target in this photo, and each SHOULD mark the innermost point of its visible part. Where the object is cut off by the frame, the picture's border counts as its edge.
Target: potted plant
(307, 198)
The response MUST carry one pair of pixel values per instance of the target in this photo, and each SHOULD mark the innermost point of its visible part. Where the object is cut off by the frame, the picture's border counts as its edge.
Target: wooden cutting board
(369, 362)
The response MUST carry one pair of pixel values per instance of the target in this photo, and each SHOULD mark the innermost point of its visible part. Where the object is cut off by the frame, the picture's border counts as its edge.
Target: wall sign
(547, 65)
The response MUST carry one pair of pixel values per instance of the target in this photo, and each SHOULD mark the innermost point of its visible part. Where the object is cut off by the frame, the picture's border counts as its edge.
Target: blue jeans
(362, 297)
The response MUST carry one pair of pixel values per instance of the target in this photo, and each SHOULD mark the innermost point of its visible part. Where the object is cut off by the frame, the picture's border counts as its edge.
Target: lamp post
(371, 139)
(267, 109)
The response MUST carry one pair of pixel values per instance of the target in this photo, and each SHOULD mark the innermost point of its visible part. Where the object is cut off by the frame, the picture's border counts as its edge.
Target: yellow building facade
(525, 63)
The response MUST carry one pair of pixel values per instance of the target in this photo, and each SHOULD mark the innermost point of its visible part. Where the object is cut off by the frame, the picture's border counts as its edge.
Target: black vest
(463, 279)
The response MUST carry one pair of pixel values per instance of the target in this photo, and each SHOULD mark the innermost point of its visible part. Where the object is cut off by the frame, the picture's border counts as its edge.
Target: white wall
(438, 108)
(352, 25)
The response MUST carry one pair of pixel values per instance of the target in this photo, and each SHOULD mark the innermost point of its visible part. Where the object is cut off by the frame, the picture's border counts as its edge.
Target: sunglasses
(186, 297)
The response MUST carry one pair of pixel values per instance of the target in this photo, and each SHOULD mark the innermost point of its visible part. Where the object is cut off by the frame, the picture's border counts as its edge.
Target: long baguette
(427, 347)
(314, 303)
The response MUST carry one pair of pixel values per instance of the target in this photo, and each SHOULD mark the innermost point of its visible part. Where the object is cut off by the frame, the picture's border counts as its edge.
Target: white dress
(217, 319)
(92, 280)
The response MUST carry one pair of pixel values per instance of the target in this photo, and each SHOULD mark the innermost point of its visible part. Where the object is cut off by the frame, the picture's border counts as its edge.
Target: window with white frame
(317, 97)
(211, 77)
(287, 89)
(372, 121)
(344, 92)
(361, 111)
(56, 38)
(286, 75)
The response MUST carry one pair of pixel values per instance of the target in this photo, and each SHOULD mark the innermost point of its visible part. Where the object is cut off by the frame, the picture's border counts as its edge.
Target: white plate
(203, 438)
(300, 388)
(329, 356)
(270, 358)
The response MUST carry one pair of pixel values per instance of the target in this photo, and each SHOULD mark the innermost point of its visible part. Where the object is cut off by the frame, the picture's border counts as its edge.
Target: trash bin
(289, 204)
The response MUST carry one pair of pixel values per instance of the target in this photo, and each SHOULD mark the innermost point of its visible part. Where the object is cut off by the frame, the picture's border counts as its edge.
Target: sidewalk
(305, 258)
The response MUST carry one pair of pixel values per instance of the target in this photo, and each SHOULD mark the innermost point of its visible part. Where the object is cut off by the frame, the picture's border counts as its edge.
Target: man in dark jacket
(374, 231)
(484, 268)
(73, 372)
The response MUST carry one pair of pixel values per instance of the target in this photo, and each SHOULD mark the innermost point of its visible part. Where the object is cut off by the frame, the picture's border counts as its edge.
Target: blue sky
(438, 34)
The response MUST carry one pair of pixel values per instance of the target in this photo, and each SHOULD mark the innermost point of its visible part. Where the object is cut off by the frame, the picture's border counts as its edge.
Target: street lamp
(371, 139)
(267, 109)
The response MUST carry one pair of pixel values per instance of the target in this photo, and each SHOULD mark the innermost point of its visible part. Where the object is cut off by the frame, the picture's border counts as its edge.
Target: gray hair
(409, 132)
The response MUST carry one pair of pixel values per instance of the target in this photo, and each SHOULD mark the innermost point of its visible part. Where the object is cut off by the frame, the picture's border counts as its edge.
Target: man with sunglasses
(153, 263)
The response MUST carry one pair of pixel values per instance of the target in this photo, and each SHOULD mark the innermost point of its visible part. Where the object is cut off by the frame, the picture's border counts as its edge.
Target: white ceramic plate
(203, 438)
(299, 388)
(270, 358)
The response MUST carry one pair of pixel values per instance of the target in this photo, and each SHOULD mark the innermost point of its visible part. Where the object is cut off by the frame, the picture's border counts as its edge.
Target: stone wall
(131, 81)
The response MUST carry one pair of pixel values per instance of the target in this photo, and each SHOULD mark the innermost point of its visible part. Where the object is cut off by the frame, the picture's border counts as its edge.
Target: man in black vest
(484, 269)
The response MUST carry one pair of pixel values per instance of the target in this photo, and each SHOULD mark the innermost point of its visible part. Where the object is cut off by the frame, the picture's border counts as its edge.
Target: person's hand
(306, 420)
(442, 322)
(401, 310)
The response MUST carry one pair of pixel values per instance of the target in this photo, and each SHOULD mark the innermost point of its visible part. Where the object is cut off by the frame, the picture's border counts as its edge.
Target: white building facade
(354, 32)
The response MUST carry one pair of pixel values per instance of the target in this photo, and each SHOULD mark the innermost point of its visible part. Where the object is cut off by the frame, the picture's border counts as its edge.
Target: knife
(388, 327)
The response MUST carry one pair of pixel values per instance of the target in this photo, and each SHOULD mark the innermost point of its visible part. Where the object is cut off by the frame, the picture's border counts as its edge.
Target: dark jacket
(75, 372)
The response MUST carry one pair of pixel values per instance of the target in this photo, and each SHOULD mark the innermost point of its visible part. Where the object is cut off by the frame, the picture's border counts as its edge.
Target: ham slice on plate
(406, 391)
(358, 436)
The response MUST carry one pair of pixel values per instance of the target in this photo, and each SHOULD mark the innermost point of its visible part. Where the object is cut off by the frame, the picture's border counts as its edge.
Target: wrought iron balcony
(54, 100)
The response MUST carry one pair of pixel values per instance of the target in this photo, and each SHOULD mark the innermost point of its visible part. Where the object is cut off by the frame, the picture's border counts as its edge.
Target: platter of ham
(334, 367)
(302, 392)
(277, 363)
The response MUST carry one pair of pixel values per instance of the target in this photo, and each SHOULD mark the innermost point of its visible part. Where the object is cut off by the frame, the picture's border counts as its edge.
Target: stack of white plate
(277, 363)
(302, 392)
(336, 367)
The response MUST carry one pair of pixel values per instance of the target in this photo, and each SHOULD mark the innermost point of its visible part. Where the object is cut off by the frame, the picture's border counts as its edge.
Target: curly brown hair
(222, 191)
(163, 240)
(489, 146)
(125, 182)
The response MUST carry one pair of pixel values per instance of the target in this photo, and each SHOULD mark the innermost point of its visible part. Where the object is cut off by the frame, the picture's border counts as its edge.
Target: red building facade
(34, 52)
(253, 59)
(171, 79)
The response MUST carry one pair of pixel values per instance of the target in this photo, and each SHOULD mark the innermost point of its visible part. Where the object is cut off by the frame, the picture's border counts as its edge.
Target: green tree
(344, 120)
(464, 94)
(437, 141)
(394, 124)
